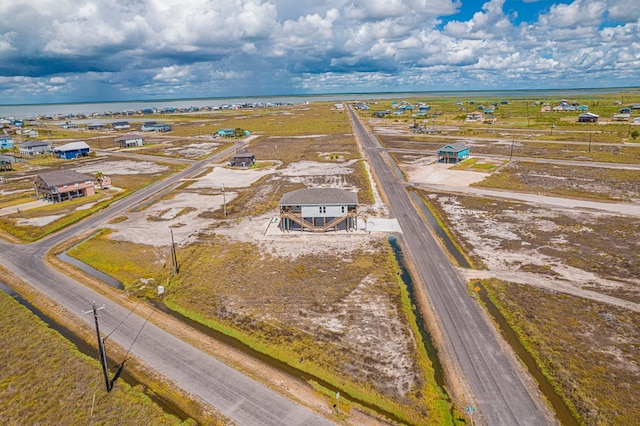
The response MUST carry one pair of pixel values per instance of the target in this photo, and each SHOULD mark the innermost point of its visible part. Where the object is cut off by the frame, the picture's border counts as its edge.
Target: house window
(323, 209)
(342, 209)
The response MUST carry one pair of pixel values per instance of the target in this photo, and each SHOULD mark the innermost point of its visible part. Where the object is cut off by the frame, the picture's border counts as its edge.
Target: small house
(583, 108)
(5, 165)
(474, 116)
(152, 126)
(34, 147)
(588, 117)
(243, 159)
(96, 126)
(453, 153)
(621, 117)
(61, 185)
(6, 142)
(72, 150)
(130, 140)
(121, 125)
(226, 133)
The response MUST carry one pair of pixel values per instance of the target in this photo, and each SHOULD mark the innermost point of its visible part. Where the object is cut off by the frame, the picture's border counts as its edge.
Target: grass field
(45, 380)
(588, 350)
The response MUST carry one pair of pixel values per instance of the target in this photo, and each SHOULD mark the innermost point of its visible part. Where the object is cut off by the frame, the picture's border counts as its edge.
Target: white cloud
(81, 48)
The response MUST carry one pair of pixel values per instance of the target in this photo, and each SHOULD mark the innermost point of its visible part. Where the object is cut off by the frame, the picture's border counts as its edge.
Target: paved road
(499, 393)
(235, 395)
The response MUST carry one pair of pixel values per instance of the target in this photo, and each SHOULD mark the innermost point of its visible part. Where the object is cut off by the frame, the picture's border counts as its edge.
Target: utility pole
(511, 153)
(174, 257)
(224, 201)
(103, 354)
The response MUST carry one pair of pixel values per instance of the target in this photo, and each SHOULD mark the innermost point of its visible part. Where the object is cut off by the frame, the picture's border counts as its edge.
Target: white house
(34, 147)
(130, 140)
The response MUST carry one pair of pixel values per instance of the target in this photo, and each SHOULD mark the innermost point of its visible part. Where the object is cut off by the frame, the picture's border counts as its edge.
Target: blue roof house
(72, 150)
(453, 153)
(226, 133)
(6, 142)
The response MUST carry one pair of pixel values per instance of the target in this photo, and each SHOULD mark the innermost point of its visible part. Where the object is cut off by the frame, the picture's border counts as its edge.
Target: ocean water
(89, 108)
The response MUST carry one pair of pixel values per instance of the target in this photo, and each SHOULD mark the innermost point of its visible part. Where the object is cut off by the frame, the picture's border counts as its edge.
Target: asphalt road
(499, 393)
(235, 395)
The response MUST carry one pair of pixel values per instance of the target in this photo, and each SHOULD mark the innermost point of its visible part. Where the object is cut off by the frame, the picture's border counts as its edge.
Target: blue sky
(55, 51)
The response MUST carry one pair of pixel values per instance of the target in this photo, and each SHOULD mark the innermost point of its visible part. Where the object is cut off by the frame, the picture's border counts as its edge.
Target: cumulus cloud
(61, 50)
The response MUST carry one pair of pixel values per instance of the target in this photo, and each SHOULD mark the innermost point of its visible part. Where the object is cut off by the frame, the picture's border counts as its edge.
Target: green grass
(45, 380)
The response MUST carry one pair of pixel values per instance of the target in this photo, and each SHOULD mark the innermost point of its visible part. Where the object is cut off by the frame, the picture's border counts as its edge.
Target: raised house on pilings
(61, 185)
(319, 210)
(243, 159)
(453, 153)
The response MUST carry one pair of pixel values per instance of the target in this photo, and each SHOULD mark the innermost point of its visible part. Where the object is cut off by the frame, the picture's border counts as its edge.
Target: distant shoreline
(54, 109)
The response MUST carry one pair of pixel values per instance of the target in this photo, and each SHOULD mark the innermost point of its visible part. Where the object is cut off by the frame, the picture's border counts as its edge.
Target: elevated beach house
(72, 150)
(453, 153)
(319, 210)
(34, 147)
(62, 185)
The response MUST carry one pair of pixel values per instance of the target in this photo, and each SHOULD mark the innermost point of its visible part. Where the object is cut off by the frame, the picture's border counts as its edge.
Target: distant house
(625, 110)
(130, 140)
(61, 185)
(635, 106)
(5, 165)
(583, 108)
(6, 142)
(490, 119)
(152, 126)
(98, 126)
(621, 117)
(243, 159)
(72, 150)
(453, 153)
(318, 210)
(34, 147)
(545, 108)
(588, 117)
(121, 125)
(30, 133)
(474, 116)
(226, 133)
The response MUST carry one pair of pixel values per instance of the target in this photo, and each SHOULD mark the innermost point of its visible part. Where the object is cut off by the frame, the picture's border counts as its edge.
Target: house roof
(456, 147)
(61, 177)
(33, 144)
(120, 123)
(588, 114)
(129, 137)
(315, 196)
(73, 146)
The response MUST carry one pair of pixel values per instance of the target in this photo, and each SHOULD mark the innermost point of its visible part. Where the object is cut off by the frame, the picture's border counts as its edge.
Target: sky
(61, 51)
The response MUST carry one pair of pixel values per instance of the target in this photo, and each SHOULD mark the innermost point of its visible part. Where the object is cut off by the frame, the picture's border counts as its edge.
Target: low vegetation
(45, 380)
(573, 182)
(588, 350)
(312, 314)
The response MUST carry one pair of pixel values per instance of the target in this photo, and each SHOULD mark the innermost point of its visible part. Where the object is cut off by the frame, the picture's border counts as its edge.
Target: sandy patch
(312, 168)
(440, 174)
(123, 167)
(153, 226)
(231, 178)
